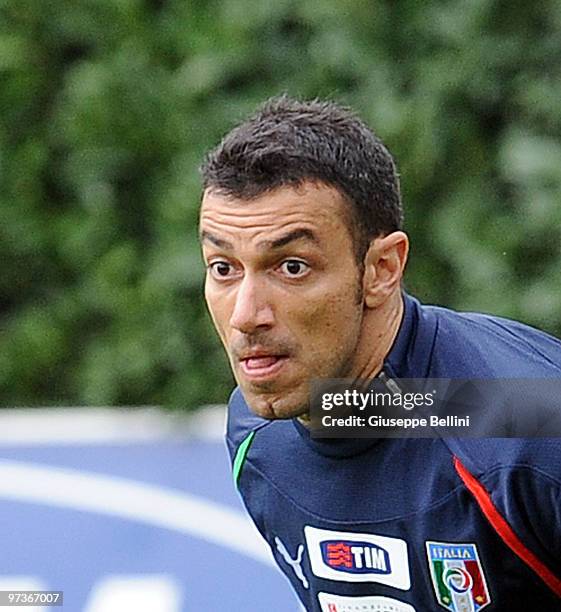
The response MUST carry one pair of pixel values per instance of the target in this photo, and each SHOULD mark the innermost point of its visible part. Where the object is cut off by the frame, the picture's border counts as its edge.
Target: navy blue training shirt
(405, 525)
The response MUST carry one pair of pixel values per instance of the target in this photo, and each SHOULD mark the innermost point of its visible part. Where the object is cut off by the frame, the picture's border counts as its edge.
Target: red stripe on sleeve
(504, 530)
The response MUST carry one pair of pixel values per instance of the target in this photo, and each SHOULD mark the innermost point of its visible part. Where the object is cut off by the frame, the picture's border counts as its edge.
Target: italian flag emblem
(457, 576)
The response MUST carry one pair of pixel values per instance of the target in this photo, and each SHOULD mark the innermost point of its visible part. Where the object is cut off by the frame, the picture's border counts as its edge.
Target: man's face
(281, 286)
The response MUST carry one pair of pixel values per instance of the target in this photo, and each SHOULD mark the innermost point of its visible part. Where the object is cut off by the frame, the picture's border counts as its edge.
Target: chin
(268, 406)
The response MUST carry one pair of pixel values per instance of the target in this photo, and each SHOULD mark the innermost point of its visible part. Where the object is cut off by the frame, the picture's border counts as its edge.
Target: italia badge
(457, 577)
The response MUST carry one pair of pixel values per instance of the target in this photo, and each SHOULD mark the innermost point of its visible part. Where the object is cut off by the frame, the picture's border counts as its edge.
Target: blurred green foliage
(107, 108)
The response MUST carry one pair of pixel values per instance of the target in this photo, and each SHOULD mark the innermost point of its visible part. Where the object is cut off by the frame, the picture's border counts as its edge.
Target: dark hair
(289, 141)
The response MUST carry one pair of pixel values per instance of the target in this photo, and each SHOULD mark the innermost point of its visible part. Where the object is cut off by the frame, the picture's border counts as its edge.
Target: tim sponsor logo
(355, 557)
(347, 556)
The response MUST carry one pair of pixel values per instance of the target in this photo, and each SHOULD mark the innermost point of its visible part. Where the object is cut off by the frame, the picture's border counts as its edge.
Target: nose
(252, 308)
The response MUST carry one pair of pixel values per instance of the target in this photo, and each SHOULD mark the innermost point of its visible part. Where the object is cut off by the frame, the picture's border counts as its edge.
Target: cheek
(218, 309)
(330, 319)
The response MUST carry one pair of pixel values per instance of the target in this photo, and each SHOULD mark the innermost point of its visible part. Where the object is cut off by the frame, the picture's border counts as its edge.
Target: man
(301, 232)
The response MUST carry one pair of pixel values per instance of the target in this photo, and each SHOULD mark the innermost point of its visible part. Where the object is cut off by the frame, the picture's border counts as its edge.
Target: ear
(383, 268)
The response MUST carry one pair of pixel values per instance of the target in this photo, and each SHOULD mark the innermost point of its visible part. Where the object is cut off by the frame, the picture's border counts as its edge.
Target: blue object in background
(133, 522)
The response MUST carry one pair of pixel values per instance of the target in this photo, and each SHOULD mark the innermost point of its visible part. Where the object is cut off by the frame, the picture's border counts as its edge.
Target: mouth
(262, 367)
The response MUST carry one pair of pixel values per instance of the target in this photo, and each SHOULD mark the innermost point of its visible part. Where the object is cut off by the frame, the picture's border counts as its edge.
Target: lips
(255, 363)
(261, 367)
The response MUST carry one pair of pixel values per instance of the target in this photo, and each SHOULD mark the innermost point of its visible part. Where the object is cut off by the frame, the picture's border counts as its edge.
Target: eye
(294, 268)
(220, 269)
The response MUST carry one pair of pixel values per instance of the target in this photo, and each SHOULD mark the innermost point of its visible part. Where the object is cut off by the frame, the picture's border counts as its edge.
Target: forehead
(314, 206)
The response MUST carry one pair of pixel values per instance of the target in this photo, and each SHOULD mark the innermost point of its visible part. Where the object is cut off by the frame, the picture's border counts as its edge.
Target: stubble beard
(269, 403)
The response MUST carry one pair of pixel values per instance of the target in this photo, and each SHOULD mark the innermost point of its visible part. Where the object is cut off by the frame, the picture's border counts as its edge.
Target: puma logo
(295, 564)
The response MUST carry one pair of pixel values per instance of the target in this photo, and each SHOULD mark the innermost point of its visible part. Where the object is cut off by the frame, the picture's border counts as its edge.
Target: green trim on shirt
(241, 454)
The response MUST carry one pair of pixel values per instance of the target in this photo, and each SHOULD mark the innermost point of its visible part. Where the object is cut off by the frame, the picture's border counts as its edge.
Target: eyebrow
(298, 234)
(219, 242)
